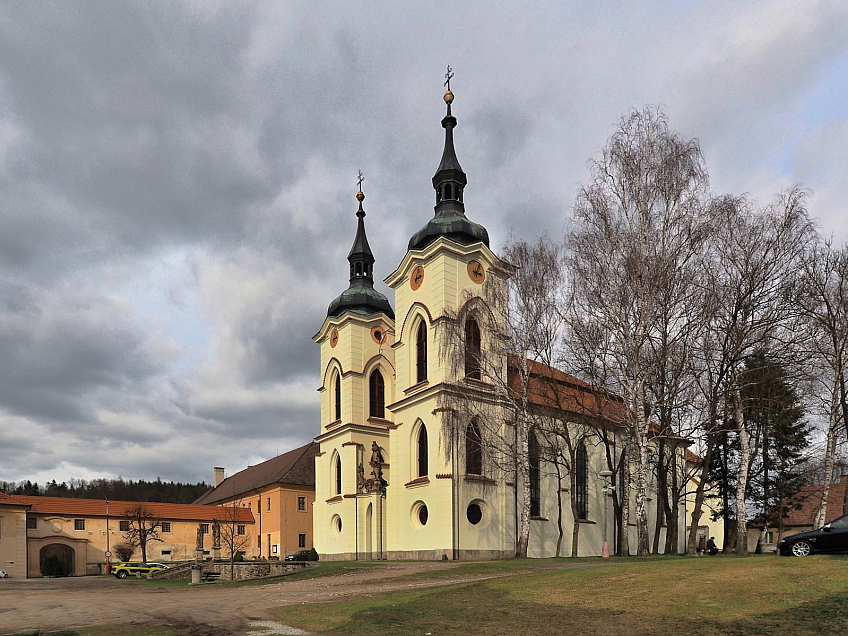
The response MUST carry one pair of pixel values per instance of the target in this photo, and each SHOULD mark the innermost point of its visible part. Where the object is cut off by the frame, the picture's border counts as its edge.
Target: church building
(385, 487)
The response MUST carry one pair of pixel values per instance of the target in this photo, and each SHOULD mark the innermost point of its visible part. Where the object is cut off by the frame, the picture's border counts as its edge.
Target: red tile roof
(549, 387)
(691, 457)
(809, 498)
(297, 467)
(97, 508)
(9, 500)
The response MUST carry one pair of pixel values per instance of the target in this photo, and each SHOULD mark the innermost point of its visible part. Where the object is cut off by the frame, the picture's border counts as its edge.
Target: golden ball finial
(360, 196)
(448, 97)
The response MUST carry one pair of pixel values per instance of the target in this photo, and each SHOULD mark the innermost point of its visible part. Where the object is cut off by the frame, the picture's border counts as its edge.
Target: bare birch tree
(638, 228)
(748, 281)
(821, 297)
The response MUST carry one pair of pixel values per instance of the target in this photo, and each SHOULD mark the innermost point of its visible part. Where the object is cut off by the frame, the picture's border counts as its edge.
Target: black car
(303, 555)
(832, 537)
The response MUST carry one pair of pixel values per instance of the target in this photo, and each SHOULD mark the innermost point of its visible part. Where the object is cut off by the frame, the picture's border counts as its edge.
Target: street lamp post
(606, 474)
(108, 549)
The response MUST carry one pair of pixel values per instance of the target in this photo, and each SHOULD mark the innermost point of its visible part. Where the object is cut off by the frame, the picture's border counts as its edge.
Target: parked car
(303, 555)
(123, 570)
(831, 537)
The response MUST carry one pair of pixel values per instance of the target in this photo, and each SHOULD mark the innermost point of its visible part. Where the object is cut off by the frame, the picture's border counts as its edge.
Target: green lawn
(720, 595)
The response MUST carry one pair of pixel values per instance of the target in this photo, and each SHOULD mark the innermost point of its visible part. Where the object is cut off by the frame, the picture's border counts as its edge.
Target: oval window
(474, 513)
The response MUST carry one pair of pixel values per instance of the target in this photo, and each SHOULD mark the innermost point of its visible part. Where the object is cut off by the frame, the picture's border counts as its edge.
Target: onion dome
(449, 182)
(361, 296)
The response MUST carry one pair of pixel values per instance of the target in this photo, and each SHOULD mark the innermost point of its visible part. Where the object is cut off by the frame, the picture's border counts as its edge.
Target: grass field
(720, 595)
(724, 595)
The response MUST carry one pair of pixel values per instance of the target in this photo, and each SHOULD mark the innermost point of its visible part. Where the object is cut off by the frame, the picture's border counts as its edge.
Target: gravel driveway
(210, 610)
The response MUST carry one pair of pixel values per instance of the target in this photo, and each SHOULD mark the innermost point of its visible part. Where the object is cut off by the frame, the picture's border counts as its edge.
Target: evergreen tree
(773, 405)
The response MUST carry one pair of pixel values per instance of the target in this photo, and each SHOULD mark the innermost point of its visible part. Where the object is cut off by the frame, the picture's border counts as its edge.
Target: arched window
(535, 483)
(337, 395)
(472, 349)
(582, 482)
(338, 468)
(422, 452)
(421, 352)
(473, 450)
(448, 192)
(377, 403)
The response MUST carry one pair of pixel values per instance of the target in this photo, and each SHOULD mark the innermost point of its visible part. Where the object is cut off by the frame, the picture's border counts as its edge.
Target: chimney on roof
(219, 476)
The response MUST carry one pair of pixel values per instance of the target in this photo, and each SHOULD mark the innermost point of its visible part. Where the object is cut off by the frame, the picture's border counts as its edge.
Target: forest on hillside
(113, 489)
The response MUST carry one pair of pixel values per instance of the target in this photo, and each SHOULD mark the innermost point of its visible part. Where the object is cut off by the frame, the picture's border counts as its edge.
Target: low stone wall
(241, 570)
(179, 571)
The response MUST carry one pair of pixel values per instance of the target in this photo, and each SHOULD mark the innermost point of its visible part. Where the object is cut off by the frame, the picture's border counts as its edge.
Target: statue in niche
(360, 477)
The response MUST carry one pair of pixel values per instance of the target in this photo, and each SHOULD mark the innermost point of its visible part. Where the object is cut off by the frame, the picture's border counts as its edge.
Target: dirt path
(211, 610)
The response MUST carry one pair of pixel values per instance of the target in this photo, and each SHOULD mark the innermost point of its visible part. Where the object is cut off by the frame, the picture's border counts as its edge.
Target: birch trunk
(829, 457)
(742, 476)
(642, 470)
(624, 535)
(523, 466)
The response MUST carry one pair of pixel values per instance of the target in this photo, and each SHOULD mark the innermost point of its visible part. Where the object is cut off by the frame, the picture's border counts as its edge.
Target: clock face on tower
(378, 335)
(417, 277)
(334, 338)
(476, 272)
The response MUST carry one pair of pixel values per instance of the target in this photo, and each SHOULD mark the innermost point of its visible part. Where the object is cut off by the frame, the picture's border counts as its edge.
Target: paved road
(210, 610)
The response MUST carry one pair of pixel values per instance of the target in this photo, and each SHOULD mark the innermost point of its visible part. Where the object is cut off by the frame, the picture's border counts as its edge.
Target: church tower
(393, 482)
(446, 507)
(357, 364)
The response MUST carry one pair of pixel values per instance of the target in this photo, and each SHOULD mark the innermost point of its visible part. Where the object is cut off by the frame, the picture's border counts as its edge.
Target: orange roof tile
(809, 498)
(9, 500)
(549, 387)
(97, 508)
(691, 457)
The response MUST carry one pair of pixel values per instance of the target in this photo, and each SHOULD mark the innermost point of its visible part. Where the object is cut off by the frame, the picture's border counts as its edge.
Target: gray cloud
(177, 181)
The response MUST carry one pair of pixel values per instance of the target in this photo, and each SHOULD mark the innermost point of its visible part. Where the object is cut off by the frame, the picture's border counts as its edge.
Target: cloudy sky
(177, 183)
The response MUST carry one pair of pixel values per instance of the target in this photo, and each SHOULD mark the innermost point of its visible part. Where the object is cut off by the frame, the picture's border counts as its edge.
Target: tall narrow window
(582, 482)
(338, 475)
(473, 450)
(421, 352)
(472, 349)
(377, 404)
(337, 390)
(422, 452)
(535, 482)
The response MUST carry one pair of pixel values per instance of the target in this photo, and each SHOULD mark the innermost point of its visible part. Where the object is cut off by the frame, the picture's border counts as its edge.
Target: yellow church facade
(386, 484)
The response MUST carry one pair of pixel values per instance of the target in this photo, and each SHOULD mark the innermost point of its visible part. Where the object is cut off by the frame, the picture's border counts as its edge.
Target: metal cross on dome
(448, 77)
(360, 180)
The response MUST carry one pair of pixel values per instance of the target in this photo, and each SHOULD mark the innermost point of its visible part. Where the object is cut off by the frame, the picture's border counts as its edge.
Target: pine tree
(773, 406)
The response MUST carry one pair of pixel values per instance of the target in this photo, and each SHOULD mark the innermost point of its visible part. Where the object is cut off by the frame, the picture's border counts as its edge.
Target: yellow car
(123, 570)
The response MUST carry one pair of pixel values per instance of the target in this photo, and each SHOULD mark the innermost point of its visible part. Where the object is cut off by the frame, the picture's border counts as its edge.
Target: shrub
(313, 555)
(124, 551)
